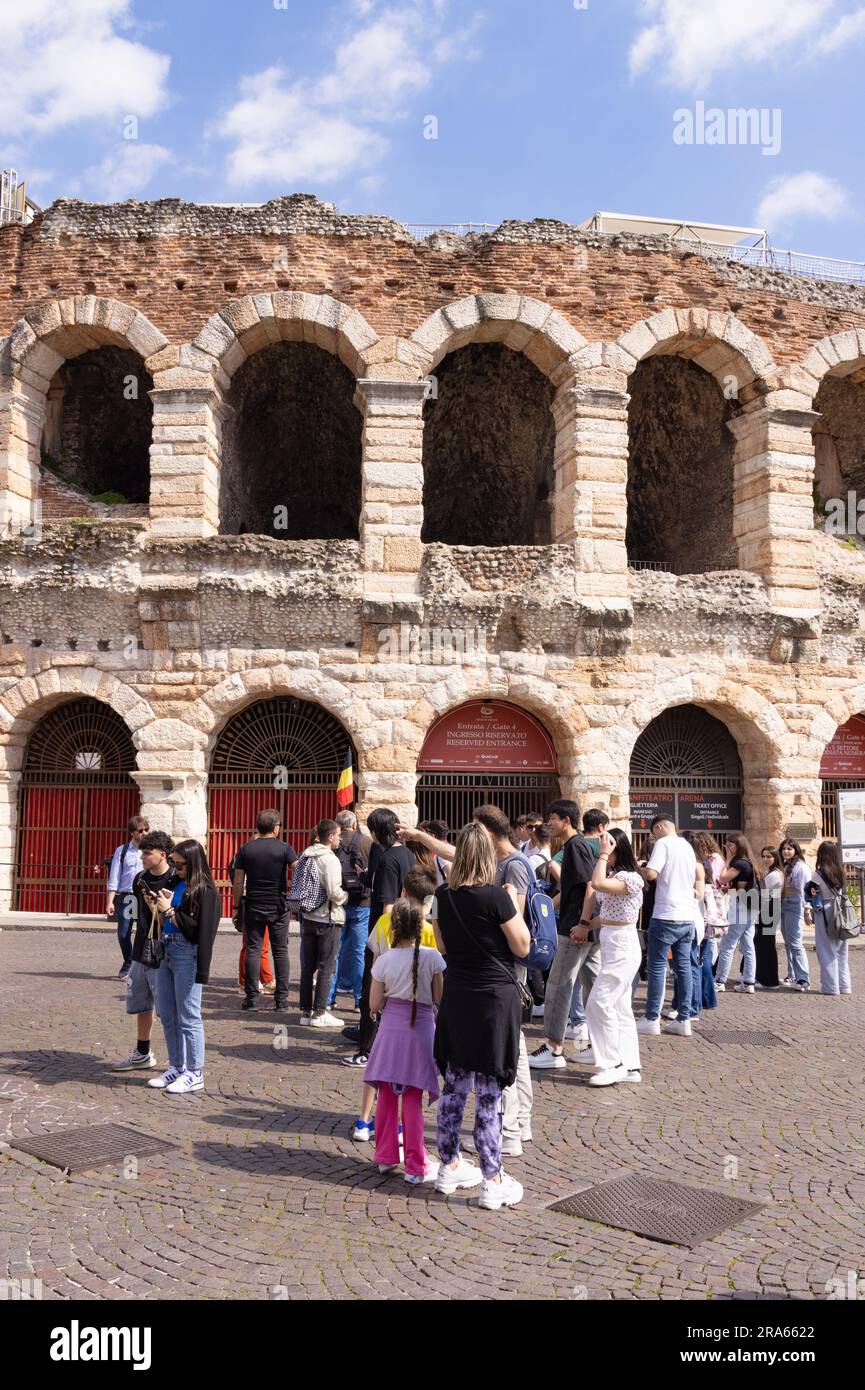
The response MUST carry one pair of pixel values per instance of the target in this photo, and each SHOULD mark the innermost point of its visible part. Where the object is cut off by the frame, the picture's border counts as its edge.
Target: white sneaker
(742, 988)
(260, 987)
(610, 1077)
(186, 1081)
(166, 1079)
(538, 1010)
(652, 1026)
(634, 1076)
(681, 1029)
(326, 1020)
(804, 987)
(431, 1172)
(505, 1193)
(584, 1055)
(544, 1056)
(511, 1148)
(463, 1174)
(669, 1013)
(305, 1020)
(720, 988)
(139, 1061)
(577, 1032)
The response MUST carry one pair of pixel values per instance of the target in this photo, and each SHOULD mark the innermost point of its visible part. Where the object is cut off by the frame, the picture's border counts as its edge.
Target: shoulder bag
(153, 950)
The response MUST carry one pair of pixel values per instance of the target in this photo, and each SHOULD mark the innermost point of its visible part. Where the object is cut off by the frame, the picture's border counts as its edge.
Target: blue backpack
(540, 917)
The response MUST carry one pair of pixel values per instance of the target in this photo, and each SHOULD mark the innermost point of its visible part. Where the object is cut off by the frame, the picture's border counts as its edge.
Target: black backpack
(352, 871)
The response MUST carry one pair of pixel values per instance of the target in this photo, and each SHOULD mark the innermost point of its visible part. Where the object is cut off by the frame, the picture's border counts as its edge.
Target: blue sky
(547, 108)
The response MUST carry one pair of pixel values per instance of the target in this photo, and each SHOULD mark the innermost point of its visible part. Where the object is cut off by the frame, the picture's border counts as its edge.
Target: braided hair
(406, 924)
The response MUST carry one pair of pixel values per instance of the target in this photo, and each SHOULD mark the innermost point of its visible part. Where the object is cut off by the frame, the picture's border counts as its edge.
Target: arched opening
(488, 444)
(485, 750)
(292, 447)
(76, 797)
(680, 470)
(686, 765)
(842, 768)
(839, 440)
(286, 754)
(97, 434)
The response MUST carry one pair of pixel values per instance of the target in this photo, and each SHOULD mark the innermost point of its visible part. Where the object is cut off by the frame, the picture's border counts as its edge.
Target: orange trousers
(265, 973)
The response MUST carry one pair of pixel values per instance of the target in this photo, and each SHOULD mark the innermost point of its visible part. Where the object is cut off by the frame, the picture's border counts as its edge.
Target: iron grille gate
(685, 751)
(283, 754)
(452, 796)
(75, 800)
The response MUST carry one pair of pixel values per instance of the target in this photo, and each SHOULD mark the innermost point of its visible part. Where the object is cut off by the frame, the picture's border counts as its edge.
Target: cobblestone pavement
(268, 1192)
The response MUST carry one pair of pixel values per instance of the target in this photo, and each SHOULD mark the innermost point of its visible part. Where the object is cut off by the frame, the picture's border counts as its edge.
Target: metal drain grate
(665, 1211)
(92, 1146)
(745, 1037)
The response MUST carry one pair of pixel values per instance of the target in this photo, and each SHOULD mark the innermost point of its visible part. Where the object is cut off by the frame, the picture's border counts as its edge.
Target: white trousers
(609, 1014)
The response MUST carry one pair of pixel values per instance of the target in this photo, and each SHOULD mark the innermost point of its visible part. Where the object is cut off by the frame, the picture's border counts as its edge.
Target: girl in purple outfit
(406, 983)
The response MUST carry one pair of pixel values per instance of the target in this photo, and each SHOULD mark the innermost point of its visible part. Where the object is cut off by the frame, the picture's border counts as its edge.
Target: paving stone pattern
(268, 1197)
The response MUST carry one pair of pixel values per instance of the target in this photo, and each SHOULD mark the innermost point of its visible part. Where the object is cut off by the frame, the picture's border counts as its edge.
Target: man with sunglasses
(158, 873)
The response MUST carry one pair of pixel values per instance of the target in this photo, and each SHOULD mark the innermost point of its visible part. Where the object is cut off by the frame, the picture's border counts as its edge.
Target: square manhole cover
(665, 1211)
(91, 1146)
(743, 1037)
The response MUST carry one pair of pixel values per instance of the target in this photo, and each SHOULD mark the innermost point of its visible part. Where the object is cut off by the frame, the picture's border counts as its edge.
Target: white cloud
(686, 42)
(127, 170)
(805, 195)
(289, 129)
(66, 63)
(847, 30)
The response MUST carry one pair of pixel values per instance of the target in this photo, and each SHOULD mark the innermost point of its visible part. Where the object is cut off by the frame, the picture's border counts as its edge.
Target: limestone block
(402, 554)
(215, 338)
(143, 337)
(638, 341)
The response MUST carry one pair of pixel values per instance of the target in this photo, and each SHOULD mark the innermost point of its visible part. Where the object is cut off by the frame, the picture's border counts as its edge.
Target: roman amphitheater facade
(255, 455)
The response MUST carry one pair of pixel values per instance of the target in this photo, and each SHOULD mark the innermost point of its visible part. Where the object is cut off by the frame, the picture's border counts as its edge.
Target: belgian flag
(345, 785)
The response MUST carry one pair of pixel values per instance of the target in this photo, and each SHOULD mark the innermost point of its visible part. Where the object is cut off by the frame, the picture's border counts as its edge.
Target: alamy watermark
(433, 646)
(738, 125)
(845, 516)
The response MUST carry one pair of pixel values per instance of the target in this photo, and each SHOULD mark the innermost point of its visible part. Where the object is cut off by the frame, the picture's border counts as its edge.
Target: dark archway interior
(488, 449)
(292, 449)
(839, 437)
(680, 469)
(100, 424)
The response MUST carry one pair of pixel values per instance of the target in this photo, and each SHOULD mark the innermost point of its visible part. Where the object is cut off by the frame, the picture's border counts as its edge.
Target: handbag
(153, 950)
(525, 997)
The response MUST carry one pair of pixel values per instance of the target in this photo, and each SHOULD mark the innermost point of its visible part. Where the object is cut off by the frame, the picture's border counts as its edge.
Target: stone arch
(527, 325)
(766, 747)
(841, 355)
(832, 375)
(718, 342)
(38, 347)
(243, 326)
(209, 714)
(23, 704)
(825, 723)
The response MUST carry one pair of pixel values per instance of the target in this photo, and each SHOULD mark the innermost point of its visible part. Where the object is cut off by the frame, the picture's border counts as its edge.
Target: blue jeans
(740, 932)
(178, 999)
(349, 963)
(125, 907)
(696, 982)
(792, 924)
(662, 936)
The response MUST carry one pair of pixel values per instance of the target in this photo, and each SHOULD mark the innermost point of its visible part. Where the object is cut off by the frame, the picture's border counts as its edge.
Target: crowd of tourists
(448, 945)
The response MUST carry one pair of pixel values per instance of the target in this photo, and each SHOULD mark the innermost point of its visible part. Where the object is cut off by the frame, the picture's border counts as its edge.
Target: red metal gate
(75, 800)
(283, 754)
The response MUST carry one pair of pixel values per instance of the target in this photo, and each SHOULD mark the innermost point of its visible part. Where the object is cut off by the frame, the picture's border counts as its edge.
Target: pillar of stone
(184, 460)
(773, 506)
(10, 781)
(392, 485)
(174, 800)
(590, 499)
(395, 790)
(22, 415)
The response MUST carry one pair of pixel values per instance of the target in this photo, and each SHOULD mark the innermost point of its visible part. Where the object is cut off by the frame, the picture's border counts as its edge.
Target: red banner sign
(845, 754)
(487, 736)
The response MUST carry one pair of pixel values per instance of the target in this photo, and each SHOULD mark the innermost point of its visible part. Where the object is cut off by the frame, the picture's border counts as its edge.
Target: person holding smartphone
(156, 875)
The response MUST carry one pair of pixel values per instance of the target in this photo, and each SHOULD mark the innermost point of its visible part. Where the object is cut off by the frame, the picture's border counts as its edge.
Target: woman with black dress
(480, 930)
(771, 883)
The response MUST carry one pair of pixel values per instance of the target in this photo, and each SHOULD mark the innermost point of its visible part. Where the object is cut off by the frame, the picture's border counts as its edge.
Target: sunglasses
(179, 863)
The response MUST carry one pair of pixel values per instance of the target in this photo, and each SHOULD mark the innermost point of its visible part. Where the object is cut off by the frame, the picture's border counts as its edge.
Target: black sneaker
(280, 1005)
(359, 1059)
(353, 1034)
(124, 970)
(249, 1004)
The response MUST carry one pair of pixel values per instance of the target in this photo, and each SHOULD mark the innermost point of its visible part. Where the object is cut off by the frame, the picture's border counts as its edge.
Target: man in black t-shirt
(260, 877)
(577, 954)
(157, 873)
